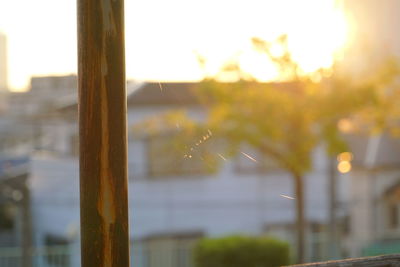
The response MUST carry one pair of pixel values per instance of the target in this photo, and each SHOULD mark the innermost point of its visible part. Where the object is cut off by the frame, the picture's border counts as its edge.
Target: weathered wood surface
(378, 261)
(102, 123)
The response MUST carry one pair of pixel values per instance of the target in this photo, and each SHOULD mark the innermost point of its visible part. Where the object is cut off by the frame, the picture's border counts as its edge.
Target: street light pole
(102, 128)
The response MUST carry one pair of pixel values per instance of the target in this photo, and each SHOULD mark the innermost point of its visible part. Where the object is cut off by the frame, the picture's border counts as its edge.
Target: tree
(287, 119)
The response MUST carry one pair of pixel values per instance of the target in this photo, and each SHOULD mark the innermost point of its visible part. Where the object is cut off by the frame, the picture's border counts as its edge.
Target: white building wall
(374, 39)
(221, 204)
(367, 212)
(361, 215)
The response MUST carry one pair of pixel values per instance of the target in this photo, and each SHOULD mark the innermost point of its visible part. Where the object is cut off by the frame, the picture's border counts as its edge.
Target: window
(57, 251)
(392, 207)
(171, 250)
(317, 241)
(393, 215)
(7, 214)
(168, 158)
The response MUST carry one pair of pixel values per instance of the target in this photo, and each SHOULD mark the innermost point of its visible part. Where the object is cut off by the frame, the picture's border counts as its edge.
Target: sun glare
(316, 40)
(316, 30)
(317, 36)
(161, 43)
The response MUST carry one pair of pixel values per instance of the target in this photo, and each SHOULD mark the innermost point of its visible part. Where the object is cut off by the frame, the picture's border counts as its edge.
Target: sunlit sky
(163, 36)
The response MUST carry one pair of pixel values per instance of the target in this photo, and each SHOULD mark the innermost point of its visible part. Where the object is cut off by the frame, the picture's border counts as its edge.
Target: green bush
(241, 251)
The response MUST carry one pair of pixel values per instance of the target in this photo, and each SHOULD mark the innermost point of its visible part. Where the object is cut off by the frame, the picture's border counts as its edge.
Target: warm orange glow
(316, 41)
(344, 167)
(345, 156)
(317, 33)
(345, 126)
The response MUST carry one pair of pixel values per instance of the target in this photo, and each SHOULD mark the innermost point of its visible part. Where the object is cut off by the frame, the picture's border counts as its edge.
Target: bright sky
(162, 36)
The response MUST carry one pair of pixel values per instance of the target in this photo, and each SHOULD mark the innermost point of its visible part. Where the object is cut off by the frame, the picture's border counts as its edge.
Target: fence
(54, 256)
(64, 256)
(164, 253)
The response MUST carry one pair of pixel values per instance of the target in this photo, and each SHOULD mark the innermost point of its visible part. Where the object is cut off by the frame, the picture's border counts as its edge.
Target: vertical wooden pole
(300, 218)
(334, 252)
(102, 123)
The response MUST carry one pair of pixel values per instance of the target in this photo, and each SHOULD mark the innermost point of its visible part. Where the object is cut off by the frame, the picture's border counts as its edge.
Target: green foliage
(239, 251)
(286, 120)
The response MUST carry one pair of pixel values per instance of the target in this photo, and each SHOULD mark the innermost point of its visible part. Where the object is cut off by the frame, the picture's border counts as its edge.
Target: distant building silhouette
(3, 62)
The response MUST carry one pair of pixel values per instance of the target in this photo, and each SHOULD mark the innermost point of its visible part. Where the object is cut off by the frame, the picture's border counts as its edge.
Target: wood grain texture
(378, 261)
(102, 127)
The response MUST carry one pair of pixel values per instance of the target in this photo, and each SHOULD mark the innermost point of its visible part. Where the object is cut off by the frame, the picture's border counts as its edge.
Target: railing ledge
(377, 261)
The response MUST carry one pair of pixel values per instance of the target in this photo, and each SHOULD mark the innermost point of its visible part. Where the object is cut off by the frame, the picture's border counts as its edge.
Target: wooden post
(102, 123)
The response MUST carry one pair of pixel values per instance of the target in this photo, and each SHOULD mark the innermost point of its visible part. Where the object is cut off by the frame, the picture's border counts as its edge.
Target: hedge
(241, 251)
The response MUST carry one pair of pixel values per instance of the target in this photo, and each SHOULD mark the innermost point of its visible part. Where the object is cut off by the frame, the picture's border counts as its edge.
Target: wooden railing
(378, 261)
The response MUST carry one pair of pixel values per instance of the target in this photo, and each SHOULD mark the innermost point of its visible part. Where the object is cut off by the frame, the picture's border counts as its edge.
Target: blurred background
(233, 107)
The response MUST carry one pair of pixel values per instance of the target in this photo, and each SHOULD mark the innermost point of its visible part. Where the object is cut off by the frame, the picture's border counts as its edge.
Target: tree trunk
(300, 221)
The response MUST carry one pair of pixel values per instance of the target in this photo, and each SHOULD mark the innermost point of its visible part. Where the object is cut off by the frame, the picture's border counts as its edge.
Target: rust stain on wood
(106, 201)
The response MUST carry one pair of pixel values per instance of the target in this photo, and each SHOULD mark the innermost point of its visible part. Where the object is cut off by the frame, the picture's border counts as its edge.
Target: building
(374, 203)
(374, 180)
(372, 34)
(372, 24)
(43, 94)
(3, 63)
(174, 200)
(15, 205)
